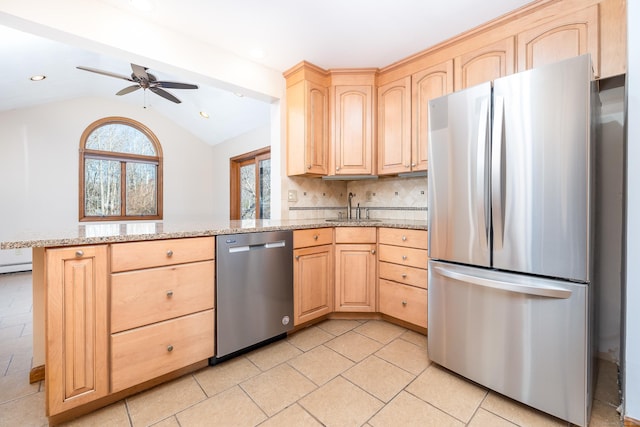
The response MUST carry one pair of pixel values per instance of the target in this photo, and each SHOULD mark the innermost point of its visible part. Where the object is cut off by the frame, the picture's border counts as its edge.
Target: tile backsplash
(391, 198)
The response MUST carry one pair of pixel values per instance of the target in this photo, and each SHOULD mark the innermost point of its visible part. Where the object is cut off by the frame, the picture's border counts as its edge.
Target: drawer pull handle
(315, 237)
(79, 254)
(169, 253)
(169, 347)
(297, 257)
(373, 251)
(404, 303)
(169, 294)
(404, 257)
(404, 238)
(404, 275)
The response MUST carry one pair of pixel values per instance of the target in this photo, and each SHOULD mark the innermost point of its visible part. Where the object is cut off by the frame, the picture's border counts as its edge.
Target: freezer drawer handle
(544, 291)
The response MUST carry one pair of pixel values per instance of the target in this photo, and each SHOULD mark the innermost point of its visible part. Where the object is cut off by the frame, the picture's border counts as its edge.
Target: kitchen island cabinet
(312, 274)
(76, 327)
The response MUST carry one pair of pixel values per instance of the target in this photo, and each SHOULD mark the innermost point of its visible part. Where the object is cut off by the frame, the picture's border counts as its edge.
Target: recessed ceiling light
(257, 53)
(204, 115)
(238, 94)
(37, 78)
(142, 5)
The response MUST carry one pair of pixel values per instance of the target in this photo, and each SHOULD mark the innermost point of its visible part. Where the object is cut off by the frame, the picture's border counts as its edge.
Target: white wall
(39, 165)
(631, 319)
(250, 141)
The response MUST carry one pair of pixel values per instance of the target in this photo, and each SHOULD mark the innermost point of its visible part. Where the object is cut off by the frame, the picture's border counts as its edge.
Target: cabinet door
(76, 329)
(353, 143)
(355, 278)
(564, 37)
(427, 84)
(485, 64)
(307, 129)
(394, 127)
(312, 283)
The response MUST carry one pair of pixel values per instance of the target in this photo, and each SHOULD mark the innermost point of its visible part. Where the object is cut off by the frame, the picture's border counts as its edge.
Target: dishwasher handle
(540, 290)
(267, 245)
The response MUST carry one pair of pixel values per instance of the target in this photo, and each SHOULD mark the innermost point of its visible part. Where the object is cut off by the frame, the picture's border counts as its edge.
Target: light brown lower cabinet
(77, 365)
(144, 353)
(355, 277)
(312, 283)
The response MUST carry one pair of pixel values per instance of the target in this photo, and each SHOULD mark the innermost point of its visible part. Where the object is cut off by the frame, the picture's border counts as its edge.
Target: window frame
(123, 158)
(235, 164)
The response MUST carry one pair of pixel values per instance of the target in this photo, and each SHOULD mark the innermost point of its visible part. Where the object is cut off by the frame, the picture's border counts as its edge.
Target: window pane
(248, 192)
(265, 189)
(141, 189)
(121, 139)
(102, 187)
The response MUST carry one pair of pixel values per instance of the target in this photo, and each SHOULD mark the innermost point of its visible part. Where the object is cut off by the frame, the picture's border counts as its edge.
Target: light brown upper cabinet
(353, 121)
(403, 122)
(426, 84)
(485, 63)
(564, 37)
(394, 127)
(307, 120)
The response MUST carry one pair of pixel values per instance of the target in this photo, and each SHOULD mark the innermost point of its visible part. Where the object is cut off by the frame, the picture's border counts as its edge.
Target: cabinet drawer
(157, 253)
(403, 302)
(312, 237)
(404, 256)
(356, 235)
(148, 352)
(403, 274)
(147, 296)
(403, 237)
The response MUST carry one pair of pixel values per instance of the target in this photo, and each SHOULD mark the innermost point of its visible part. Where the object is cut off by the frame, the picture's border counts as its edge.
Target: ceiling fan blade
(165, 94)
(105, 73)
(140, 72)
(128, 89)
(176, 85)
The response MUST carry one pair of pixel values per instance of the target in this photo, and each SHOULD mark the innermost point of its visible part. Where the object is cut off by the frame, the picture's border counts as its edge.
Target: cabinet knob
(169, 347)
(404, 238)
(79, 254)
(404, 257)
(309, 167)
(406, 166)
(413, 165)
(169, 294)
(404, 303)
(338, 168)
(404, 275)
(373, 251)
(169, 253)
(297, 257)
(315, 237)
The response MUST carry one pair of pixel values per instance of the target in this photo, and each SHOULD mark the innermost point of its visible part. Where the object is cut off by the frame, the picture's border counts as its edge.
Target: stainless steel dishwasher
(254, 289)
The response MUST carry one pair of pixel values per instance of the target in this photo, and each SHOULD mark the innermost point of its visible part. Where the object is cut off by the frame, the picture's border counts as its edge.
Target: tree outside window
(120, 171)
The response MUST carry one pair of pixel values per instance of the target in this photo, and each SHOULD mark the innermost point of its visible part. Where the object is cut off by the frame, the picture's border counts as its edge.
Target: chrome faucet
(351, 196)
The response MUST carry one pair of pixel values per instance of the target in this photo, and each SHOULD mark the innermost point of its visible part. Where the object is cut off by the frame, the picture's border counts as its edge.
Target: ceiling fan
(144, 80)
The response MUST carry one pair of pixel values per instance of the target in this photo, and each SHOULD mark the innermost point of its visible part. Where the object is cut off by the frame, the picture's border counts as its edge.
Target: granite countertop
(92, 233)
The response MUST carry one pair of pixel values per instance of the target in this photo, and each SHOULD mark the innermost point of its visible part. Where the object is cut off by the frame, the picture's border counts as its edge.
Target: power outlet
(292, 196)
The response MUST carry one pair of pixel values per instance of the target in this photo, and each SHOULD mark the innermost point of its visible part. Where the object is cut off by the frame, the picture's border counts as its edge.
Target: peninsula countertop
(112, 232)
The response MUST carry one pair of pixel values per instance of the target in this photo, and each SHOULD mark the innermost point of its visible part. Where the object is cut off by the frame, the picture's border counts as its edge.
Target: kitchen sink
(351, 220)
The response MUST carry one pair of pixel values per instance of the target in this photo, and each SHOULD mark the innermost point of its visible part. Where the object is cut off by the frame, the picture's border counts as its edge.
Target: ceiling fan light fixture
(37, 78)
(204, 114)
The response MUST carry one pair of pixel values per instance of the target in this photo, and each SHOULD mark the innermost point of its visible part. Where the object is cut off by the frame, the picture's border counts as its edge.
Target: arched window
(120, 171)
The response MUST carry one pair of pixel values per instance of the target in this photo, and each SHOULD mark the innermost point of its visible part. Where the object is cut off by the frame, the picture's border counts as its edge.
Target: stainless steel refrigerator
(510, 236)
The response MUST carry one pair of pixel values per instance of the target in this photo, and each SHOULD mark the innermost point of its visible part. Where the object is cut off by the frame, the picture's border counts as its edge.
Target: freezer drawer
(522, 336)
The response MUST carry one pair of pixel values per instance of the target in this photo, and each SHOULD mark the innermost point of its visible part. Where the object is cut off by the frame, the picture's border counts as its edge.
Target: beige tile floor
(337, 373)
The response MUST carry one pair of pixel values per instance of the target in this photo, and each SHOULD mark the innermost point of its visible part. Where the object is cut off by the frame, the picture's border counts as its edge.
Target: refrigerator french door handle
(497, 202)
(481, 170)
(542, 290)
